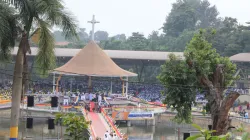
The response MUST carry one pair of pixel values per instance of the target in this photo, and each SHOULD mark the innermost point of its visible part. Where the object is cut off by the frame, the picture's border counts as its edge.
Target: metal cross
(93, 22)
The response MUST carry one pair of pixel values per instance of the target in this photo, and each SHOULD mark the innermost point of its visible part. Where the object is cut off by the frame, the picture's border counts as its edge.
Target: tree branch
(229, 100)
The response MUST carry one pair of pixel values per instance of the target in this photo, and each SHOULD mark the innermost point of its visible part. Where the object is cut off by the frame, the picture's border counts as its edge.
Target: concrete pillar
(153, 122)
(129, 123)
(153, 129)
(158, 118)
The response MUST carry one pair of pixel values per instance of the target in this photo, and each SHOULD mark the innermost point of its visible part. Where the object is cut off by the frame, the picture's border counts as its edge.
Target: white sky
(144, 16)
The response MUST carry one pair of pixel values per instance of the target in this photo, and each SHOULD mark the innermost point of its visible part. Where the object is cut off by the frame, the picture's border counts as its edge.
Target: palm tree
(37, 17)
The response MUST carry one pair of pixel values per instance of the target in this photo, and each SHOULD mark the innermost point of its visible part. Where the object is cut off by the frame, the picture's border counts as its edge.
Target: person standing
(106, 135)
(240, 108)
(115, 136)
(99, 98)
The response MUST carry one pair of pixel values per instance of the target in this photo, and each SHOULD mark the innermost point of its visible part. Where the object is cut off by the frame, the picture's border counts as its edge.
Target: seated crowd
(147, 92)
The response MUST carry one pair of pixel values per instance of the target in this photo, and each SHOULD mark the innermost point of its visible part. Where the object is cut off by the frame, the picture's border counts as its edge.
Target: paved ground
(98, 125)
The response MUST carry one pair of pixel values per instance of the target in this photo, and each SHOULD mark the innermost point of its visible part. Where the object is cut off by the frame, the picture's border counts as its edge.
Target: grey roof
(114, 54)
(241, 57)
(134, 55)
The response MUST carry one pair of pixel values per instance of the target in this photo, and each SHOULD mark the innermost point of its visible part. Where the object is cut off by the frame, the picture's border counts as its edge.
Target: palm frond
(45, 59)
(54, 13)
(8, 31)
(14, 3)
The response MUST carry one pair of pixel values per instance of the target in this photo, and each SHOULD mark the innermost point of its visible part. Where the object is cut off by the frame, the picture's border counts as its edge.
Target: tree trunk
(220, 110)
(16, 94)
(25, 81)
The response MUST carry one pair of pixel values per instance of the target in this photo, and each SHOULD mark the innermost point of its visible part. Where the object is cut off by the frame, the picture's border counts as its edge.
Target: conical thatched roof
(93, 61)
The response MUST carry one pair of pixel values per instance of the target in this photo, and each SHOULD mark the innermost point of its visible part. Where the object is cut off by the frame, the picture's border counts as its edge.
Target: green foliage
(206, 59)
(190, 15)
(45, 59)
(245, 136)
(8, 31)
(175, 73)
(137, 41)
(33, 14)
(76, 126)
(182, 78)
(207, 134)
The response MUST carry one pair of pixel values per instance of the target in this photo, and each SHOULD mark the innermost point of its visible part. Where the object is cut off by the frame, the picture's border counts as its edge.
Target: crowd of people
(148, 92)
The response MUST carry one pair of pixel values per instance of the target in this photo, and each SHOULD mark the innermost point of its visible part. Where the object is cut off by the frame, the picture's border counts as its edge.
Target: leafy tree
(137, 41)
(36, 18)
(76, 126)
(112, 44)
(180, 18)
(83, 35)
(101, 35)
(202, 69)
(58, 35)
(190, 15)
(181, 41)
(179, 81)
(206, 14)
(232, 49)
(121, 37)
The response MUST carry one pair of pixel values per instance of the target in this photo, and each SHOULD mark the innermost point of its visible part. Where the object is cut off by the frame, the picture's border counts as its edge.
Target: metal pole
(111, 86)
(127, 86)
(54, 81)
(71, 82)
(179, 134)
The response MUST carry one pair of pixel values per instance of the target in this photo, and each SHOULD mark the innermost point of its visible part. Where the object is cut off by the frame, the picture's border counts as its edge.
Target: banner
(142, 137)
(120, 115)
(141, 115)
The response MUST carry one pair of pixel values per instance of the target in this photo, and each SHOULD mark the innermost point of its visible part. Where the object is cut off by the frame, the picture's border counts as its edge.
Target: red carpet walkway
(97, 124)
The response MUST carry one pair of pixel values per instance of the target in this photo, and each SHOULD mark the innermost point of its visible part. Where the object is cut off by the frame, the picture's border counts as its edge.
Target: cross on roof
(93, 22)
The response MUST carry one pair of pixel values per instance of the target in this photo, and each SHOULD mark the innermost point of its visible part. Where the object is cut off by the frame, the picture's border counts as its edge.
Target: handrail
(134, 107)
(107, 118)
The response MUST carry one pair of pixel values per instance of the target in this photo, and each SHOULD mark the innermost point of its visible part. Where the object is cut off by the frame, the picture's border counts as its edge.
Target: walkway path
(98, 124)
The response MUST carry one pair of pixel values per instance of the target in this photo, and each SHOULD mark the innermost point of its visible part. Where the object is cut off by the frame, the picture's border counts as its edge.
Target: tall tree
(83, 35)
(58, 36)
(111, 44)
(137, 41)
(101, 35)
(42, 15)
(121, 37)
(213, 74)
(190, 15)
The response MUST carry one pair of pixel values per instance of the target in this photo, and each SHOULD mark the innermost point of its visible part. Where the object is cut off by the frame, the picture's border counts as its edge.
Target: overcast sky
(144, 16)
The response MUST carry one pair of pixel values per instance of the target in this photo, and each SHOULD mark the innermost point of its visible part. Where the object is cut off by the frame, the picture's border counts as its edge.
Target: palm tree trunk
(16, 94)
(25, 78)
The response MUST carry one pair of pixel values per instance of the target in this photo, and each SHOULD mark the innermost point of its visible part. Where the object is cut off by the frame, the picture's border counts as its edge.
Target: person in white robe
(106, 135)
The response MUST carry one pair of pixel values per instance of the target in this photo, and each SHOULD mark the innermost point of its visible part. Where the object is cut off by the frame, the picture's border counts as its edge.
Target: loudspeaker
(209, 127)
(29, 123)
(186, 135)
(54, 101)
(30, 101)
(51, 124)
